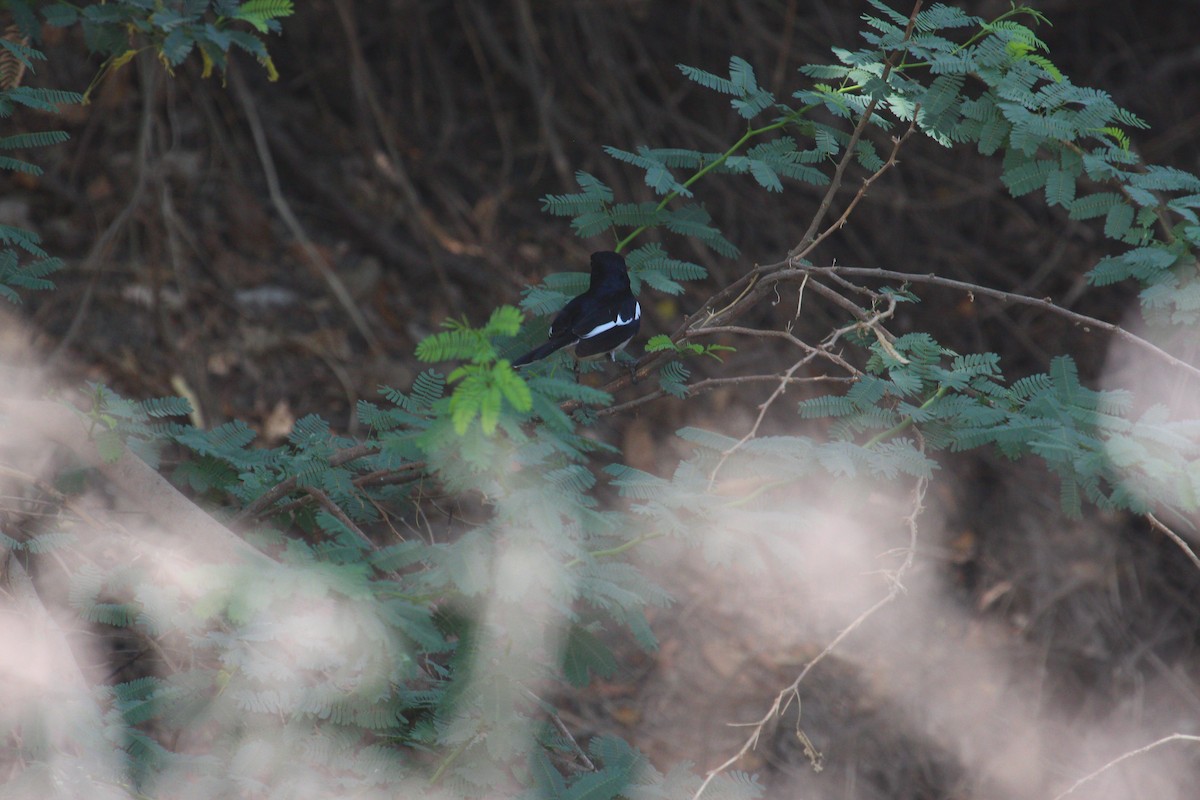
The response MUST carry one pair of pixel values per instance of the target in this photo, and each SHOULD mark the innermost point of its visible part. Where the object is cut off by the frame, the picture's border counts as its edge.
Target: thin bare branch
(1176, 538)
(284, 209)
(711, 384)
(806, 247)
(792, 690)
(1175, 737)
(810, 239)
(326, 502)
(787, 336)
(286, 487)
(763, 408)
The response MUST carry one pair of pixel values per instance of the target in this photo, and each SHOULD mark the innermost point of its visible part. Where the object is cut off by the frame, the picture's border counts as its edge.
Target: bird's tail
(538, 353)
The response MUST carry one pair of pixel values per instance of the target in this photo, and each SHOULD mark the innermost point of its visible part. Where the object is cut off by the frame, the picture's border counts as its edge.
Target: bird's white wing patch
(616, 323)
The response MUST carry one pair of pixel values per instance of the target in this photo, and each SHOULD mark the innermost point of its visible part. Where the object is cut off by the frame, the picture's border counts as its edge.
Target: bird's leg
(630, 363)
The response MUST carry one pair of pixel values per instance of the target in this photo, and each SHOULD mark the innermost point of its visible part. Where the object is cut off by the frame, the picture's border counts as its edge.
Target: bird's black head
(608, 272)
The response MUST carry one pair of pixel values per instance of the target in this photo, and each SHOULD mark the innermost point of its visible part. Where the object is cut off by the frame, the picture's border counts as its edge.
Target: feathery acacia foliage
(120, 31)
(994, 88)
(16, 273)
(388, 661)
(174, 31)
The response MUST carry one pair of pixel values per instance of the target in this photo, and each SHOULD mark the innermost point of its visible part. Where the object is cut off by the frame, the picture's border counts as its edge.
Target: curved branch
(1174, 537)
(1174, 737)
(1020, 299)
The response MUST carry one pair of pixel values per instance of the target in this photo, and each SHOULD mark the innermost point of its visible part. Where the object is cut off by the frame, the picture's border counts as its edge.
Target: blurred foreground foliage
(372, 642)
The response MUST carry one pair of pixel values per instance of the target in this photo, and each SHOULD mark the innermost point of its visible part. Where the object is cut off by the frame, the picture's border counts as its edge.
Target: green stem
(718, 161)
(721, 159)
(906, 422)
(615, 551)
(766, 487)
(450, 759)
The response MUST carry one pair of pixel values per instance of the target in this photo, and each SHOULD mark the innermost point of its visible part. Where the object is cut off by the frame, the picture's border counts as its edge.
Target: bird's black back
(601, 320)
(609, 279)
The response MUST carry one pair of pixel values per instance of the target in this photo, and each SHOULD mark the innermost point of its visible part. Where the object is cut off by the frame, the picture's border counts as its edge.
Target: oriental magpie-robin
(600, 321)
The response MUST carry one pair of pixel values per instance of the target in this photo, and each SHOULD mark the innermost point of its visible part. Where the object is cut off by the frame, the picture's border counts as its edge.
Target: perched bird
(601, 320)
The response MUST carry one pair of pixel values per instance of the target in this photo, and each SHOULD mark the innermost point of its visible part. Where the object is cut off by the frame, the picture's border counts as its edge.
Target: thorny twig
(792, 691)
(763, 408)
(810, 239)
(802, 250)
